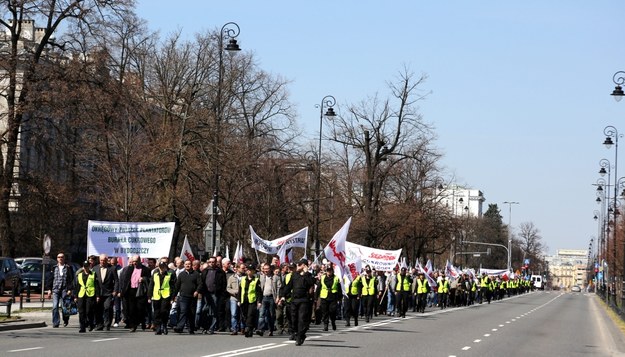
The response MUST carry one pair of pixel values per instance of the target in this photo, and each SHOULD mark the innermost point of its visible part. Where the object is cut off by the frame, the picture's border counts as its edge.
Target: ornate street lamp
(228, 32)
(328, 103)
(510, 203)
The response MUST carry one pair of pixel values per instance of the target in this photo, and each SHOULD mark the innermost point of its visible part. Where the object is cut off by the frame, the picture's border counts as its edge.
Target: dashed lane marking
(106, 339)
(243, 351)
(25, 349)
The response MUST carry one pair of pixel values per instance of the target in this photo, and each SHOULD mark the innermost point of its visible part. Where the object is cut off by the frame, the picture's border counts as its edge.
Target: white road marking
(243, 351)
(486, 334)
(26, 349)
(466, 348)
(106, 339)
(477, 341)
(494, 329)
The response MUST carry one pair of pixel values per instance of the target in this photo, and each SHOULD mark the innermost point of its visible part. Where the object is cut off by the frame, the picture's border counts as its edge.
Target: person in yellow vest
(352, 303)
(86, 291)
(329, 293)
(161, 290)
(485, 292)
(403, 292)
(250, 297)
(420, 290)
(368, 293)
(443, 292)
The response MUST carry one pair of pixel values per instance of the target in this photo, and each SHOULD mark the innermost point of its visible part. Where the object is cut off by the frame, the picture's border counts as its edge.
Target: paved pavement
(29, 316)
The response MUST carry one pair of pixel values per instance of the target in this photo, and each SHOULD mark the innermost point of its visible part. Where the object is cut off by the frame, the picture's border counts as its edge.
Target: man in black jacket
(213, 289)
(106, 275)
(187, 286)
(300, 288)
(131, 280)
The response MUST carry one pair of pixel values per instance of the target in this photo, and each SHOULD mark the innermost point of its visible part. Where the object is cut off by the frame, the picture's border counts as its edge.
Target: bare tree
(531, 245)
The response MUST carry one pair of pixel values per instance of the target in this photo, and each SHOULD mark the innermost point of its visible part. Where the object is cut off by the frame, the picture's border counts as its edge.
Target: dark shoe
(204, 332)
(165, 330)
(55, 326)
(100, 328)
(211, 332)
(82, 330)
(233, 333)
(191, 332)
(91, 328)
(325, 327)
(333, 326)
(143, 327)
(347, 324)
(356, 323)
(133, 329)
(367, 320)
(158, 332)
(65, 323)
(270, 333)
(292, 338)
(260, 333)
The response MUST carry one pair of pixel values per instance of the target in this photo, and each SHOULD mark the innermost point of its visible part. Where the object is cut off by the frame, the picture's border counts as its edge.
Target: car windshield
(31, 267)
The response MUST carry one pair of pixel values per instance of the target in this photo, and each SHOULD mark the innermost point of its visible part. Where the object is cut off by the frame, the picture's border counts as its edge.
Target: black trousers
(402, 301)
(300, 317)
(351, 308)
(136, 307)
(328, 311)
(161, 311)
(104, 311)
(86, 311)
(249, 315)
(368, 305)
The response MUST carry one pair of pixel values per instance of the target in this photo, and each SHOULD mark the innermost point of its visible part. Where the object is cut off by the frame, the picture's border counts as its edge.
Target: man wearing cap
(87, 290)
(300, 288)
(250, 297)
(420, 289)
(368, 293)
(329, 293)
(162, 290)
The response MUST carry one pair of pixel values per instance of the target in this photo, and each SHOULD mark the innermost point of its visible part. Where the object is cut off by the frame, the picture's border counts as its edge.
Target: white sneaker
(116, 325)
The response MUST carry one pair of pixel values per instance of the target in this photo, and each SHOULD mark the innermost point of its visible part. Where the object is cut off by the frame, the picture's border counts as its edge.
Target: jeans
(187, 309)
(267, 314)
(390, 305)
(209, 311)
(57, 300)
(235, 316)
(198, 312)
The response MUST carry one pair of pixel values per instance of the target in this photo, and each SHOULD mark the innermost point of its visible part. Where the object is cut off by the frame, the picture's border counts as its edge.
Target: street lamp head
(618, 93)
(233, 46)
(602, 172)
(330, 112)
(618, 79)
(608, 142)
(595, 217)
(598, 200)
(600, 188)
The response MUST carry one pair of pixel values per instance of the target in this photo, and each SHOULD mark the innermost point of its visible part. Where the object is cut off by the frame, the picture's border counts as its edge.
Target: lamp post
(510, 203)
(327, 102)
(229, 32)
(612, 133)
(619, 79)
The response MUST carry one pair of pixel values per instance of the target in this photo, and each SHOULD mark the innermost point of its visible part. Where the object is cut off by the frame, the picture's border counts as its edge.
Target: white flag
(335, 250)
(186, 253)
(227, 252)
(238, 254)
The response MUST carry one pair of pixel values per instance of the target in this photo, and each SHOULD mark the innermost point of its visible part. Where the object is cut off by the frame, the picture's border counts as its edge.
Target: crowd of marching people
(218, 296)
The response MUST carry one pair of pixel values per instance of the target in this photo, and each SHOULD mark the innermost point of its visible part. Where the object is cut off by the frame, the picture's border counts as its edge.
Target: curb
(20, 325)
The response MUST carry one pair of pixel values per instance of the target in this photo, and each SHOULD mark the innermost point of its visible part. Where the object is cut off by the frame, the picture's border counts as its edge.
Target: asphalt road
(537, 324)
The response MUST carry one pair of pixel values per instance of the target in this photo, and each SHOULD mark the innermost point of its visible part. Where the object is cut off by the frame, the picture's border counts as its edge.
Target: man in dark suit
(130, 281)
(213, 288)
(106, 275)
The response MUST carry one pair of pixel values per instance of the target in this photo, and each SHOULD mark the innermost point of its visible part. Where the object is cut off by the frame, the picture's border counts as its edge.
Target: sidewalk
(27, 319)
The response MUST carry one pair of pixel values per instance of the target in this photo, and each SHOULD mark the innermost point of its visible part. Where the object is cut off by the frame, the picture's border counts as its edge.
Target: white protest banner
(293, 240)
(124, 239)
(493, 271)
(378, 259)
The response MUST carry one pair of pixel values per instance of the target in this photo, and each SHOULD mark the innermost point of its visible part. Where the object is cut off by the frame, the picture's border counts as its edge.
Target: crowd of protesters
(246, 299)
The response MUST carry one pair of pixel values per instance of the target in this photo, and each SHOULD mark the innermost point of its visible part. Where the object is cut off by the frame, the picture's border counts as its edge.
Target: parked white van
(537, 280)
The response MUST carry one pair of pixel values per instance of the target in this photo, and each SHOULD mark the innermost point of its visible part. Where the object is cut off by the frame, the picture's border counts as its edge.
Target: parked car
(32, 275)
(576, 289)
(22, 260)
(9, 272)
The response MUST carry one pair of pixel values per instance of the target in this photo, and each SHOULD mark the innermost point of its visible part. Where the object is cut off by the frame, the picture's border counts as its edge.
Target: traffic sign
(47, 244)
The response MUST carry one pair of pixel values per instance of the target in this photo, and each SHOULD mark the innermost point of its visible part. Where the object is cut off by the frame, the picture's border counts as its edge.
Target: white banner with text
(125, 239)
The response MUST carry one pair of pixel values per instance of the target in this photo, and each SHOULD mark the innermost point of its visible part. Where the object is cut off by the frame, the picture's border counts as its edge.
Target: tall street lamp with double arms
(617, 93)
(328, 103)
(510, 203)
(228, 32)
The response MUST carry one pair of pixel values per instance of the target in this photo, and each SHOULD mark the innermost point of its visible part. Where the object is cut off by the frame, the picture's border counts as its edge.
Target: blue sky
(520, 89)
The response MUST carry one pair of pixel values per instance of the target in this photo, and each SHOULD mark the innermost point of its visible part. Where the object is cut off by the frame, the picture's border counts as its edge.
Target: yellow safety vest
(88, 287)
(324, 289)
(287, 278)
(161, 291)
(355, 284)
(402, 285)
(251, 293)
(368, 287)
(485, 282)
(421, 287)
(444, 286)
